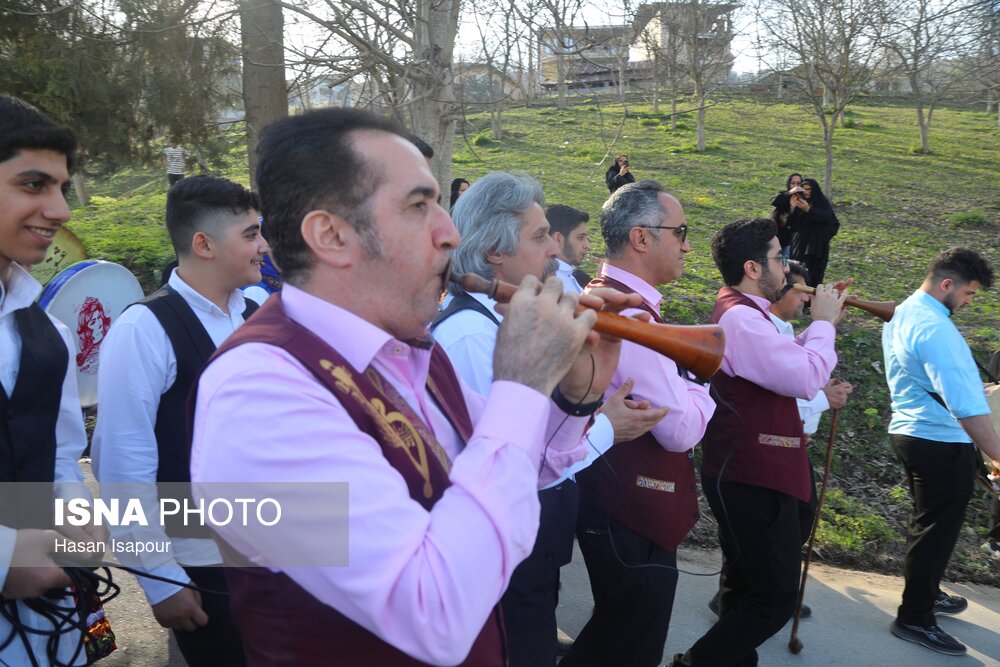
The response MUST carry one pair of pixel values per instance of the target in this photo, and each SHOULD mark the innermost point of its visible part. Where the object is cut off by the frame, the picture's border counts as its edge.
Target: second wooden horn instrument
(696, 348)
(880, 309)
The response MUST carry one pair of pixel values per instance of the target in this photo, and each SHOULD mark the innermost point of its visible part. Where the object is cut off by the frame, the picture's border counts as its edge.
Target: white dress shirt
(565, 273)
(810, 410)
(71, 439)
(138, 366)
(469, 338)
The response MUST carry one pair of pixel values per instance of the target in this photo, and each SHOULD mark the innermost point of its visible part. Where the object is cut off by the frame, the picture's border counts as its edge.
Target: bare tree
(696, 36)
(921, 34)
(560, 37)
(265, 95)
(402, 50)
(836, 48)
(662, 46)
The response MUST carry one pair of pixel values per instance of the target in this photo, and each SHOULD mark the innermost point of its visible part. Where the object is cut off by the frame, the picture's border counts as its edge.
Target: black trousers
(816, 264)
(760, 532)
(632, 605)
(174, 178)
(529, 604)
(218, 643)
(941, 476)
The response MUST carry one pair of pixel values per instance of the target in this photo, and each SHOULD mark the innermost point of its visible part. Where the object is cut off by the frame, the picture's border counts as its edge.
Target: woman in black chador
(782, 203)
(812, 223)
(618, 174)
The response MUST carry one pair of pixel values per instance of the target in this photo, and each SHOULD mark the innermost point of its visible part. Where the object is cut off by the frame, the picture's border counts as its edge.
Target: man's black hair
(564, 219)
(963, 265)
(23, 127)
(738, 242)
(307, 163)
(197, 204)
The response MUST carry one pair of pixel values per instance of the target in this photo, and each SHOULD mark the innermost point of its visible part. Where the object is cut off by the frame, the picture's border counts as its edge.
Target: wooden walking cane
(795, 644)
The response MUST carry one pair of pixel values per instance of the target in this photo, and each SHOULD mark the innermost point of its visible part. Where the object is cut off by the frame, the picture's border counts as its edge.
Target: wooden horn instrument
(880, 309)
(697, 348)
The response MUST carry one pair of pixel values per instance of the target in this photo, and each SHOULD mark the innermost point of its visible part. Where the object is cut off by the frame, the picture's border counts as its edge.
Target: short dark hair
(197, 204)
(963, 265)
(23, 127)
(425, 148)
(307, 163)
(738, 242)
(797, 269)
(632, 205)
(564, 219)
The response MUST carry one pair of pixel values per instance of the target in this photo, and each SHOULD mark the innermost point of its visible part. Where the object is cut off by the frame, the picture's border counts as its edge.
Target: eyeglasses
(680, 230)
(783, 258)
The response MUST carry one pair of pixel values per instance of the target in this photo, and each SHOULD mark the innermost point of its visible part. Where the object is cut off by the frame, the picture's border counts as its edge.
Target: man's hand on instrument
(630, 418)
(591, 372)
(837, 393)
(541, 337)
(828, 304)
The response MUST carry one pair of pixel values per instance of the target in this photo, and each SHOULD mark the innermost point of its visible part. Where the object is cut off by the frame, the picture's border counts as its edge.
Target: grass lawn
(897, 210)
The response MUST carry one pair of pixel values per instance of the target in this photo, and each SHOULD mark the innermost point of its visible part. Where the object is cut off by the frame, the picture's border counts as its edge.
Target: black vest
(192, 348)
(28, 416)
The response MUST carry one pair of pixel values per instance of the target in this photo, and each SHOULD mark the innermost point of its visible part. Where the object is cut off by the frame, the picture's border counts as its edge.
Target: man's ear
(558, 238)
(947, 285)
(752, 269)
(640, 239)
(495, 258)
(202, 245)
(331, 237)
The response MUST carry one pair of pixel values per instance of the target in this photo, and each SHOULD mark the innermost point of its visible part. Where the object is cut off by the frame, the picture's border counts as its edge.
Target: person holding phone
(618, 174)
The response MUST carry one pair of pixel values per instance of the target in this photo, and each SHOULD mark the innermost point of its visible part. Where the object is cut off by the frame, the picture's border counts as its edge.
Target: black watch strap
(574, 409)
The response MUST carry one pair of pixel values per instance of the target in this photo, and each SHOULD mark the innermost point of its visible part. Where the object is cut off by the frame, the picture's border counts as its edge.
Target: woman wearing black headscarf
(458, 186)
(812, 224)
(783, 207)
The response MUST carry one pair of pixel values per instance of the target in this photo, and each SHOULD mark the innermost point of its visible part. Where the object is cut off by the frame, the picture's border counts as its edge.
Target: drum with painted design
(87, 297)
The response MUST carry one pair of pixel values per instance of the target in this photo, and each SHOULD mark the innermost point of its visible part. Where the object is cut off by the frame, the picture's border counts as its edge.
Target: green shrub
(692, 147)
(850, 525)
(649, 122)
(972, 218)
(483, 139)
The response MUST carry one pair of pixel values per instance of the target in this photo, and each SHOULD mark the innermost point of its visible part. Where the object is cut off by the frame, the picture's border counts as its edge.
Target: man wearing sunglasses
(755, 471)
(640, 501)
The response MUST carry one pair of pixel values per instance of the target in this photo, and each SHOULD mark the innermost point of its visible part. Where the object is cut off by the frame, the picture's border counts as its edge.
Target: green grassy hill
(897, 210)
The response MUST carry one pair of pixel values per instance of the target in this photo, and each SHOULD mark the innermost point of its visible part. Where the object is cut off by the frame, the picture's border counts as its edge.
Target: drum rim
(60, 279)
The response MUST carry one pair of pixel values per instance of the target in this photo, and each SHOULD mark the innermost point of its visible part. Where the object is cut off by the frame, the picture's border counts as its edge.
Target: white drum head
(87, 297)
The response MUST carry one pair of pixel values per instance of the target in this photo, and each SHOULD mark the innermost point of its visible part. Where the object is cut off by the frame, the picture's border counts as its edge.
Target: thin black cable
(590, 384)
(719, 400)
(68, 620)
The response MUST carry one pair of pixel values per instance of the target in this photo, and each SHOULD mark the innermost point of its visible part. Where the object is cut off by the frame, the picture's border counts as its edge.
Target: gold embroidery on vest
(786, 441)
(395, 427)
(653, 484)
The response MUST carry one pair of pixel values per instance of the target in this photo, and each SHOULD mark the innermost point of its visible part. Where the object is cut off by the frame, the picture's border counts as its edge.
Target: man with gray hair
(505, 235)
(640, 502)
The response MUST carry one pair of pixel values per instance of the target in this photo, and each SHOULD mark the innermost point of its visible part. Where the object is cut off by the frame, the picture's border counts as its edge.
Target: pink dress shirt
(423, 581)
(798, 367)
(657, 381)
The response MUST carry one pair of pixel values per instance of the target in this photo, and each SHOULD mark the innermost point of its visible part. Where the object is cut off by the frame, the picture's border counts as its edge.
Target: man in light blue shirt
(568, 228)
(939, 417)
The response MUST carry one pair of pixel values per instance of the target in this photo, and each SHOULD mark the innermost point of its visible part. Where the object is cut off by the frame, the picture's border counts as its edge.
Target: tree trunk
(923, 123)
(433, 110)
(700, 96)
(561, 82)
(673, 110)
(80, 188)
(828, 128)
(265, 93)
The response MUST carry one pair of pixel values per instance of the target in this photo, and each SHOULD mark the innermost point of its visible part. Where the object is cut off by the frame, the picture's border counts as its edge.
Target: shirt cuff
(515, 413)
(158, 591)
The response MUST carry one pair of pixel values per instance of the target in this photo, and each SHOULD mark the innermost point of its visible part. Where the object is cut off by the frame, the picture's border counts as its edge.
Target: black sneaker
(950, 604)
(713, 606)
(932, 637)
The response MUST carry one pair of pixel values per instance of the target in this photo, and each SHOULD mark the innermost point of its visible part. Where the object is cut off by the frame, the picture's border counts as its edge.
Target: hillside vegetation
(897, 210)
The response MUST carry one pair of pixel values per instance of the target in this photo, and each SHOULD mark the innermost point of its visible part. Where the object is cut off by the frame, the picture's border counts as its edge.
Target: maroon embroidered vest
(640, 484)
(761, 442)
(283, 624)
